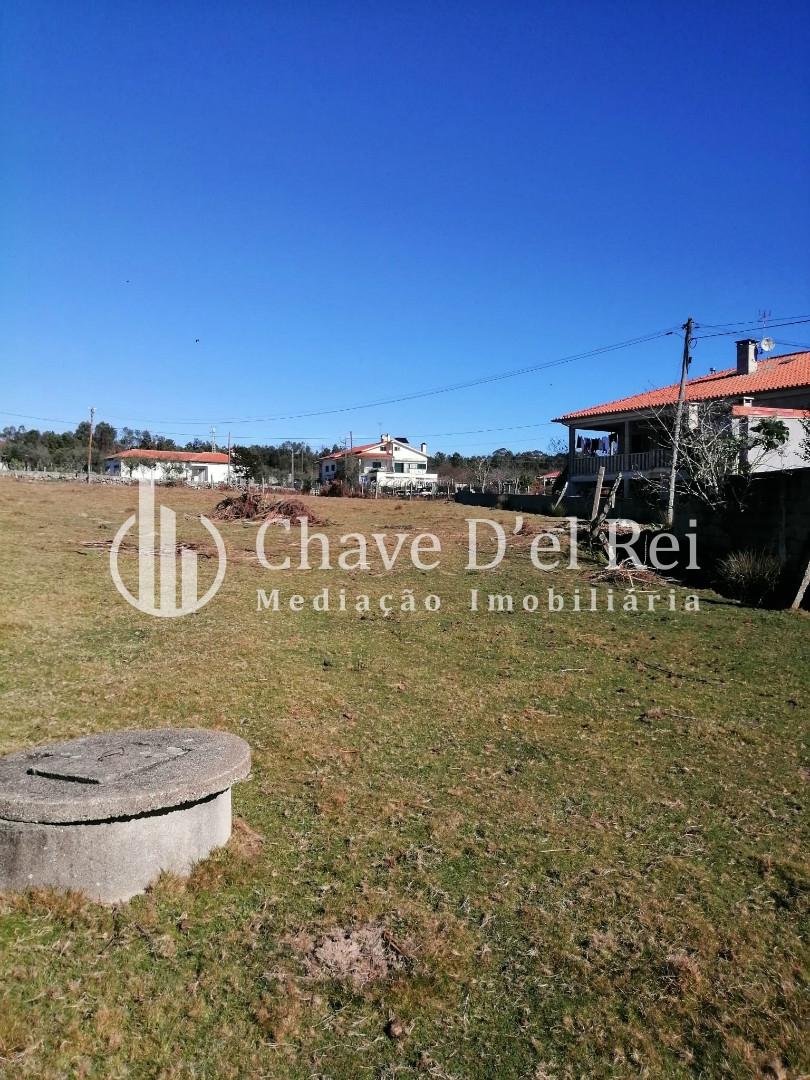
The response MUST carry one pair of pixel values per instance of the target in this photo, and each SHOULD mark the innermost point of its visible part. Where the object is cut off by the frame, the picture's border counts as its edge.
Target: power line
(476, 431)
(741, 327)
(431, 434)
(335, 436)
(480, 381)
(750, 328)
(163, 431)
(483, 380)
(744, 322)
(44, 419)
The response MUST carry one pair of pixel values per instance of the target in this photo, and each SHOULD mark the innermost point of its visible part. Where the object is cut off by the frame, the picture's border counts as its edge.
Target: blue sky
(345, 202)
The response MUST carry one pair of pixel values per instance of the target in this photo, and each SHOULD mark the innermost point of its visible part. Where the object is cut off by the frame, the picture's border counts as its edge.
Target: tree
(173, 471)
(248, 462)
(351, 469)
(771, 434)
(68, 450)
(480, 469)
(716, 458)
(804, 446)
(104, 437)
(133, 464)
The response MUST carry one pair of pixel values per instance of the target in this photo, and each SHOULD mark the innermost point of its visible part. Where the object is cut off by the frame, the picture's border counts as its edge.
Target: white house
(389, 463)
(162, 465)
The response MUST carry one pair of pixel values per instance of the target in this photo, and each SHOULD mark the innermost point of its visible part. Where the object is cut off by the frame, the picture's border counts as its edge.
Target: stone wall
(776, 518)
(530, 504)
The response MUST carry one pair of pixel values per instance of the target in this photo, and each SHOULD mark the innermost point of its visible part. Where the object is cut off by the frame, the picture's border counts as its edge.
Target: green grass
(582, 836)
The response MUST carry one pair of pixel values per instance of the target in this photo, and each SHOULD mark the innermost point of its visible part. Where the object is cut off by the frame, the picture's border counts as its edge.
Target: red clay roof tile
(208, 458)
(776, 373)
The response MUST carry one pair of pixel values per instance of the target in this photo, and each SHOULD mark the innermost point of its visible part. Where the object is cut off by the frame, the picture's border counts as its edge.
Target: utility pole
(213, 440)
(676, 435)
(90, 444)
(292, 468)
(229, 459)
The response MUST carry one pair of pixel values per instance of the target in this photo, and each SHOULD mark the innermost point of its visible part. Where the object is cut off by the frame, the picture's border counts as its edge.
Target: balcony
(628, 464)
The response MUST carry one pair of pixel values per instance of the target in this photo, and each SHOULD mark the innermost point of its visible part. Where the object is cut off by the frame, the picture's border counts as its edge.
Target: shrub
(752, 577)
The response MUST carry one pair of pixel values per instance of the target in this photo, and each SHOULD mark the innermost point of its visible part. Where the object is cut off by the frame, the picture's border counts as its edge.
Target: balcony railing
(628, 464)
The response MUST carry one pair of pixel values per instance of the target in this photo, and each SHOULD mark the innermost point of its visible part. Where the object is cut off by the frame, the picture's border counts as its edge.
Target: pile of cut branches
(253, 506)
(627, 573)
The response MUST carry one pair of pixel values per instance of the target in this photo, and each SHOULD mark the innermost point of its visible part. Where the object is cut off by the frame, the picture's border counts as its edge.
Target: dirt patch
(245, 842)
(357, 955)
(251, 506)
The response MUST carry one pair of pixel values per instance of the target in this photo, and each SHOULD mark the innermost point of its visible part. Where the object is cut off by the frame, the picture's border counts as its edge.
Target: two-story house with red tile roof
(391, 462)
(627, 436)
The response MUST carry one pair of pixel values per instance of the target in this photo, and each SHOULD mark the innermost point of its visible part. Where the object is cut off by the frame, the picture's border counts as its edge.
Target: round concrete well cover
(119, 774)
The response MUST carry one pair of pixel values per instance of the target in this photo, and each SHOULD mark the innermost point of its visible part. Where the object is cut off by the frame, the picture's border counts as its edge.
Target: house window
(399, 466)
(376, 464)
(422, 465)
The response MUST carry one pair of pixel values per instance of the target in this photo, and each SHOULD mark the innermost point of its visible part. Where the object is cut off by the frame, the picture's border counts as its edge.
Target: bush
(752, 577)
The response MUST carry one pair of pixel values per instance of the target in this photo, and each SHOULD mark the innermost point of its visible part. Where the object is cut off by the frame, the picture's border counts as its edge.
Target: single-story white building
(388, 463)
(162, 465)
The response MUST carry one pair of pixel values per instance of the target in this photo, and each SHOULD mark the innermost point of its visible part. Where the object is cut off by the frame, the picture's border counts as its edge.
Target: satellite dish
(767, 344)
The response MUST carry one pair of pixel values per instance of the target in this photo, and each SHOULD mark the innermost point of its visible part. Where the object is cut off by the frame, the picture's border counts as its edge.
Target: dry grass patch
(506, 845)
(355, 955)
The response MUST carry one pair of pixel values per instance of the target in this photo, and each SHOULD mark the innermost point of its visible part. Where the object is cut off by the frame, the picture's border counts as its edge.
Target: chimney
(746, 356)
(423, 447)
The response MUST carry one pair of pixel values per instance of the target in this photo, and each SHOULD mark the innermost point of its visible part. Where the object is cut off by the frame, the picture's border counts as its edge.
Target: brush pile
(253, 506)
(627, 573)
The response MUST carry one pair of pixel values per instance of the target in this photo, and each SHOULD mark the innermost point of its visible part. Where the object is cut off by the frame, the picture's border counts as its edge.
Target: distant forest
(66, 451)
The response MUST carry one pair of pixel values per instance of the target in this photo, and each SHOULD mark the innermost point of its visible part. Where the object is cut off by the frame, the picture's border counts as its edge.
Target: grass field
(472, 845)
